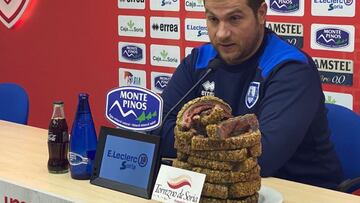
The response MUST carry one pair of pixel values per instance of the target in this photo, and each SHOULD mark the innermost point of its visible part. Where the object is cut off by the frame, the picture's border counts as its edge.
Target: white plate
(269, 195)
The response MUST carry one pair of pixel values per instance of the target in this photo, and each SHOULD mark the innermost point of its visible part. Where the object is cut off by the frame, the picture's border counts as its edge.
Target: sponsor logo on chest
(208, 88)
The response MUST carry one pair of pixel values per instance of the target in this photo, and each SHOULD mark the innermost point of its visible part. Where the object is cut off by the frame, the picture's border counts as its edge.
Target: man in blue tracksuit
(266, 76)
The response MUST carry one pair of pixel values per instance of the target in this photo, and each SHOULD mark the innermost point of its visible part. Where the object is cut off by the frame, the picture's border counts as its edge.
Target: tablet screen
(127, 161)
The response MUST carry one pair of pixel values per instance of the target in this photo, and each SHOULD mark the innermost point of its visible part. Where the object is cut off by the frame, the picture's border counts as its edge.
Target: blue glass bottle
(83, 141)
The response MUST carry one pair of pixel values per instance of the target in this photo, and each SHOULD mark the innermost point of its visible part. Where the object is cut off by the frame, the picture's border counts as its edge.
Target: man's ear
(261, 14)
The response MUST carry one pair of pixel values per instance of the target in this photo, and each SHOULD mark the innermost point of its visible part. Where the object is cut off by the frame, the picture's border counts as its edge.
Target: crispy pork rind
(215, 190)
(228, 177)
(196, 106)
(243, 166)
(237, 142)
(211, 141)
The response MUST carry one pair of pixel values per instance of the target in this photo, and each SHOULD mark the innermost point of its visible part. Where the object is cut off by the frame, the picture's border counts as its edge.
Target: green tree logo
(330, 100)
(146, 116)
(131, 24)
(341, 41)
(164, 54)
(293, 6)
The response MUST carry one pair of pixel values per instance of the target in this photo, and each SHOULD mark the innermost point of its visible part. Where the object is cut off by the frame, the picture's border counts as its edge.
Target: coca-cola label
(52, 136)
(134, 108)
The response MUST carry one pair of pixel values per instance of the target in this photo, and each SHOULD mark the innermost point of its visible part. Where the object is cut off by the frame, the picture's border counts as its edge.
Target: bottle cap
(83, 106)
(58, 102)
(83, 95)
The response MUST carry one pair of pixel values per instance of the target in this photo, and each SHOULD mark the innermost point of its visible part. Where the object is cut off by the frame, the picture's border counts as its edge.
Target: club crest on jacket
(252, 94)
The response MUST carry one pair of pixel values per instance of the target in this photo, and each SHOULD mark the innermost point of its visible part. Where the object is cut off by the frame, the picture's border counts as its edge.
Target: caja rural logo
(332, 37)
(195, 3)
(134, 108)
(284, 6)
(164, 57)
(131, 27)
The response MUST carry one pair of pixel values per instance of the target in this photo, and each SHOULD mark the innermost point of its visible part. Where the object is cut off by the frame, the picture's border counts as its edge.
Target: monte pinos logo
(332, 37)
(339, 38)
(134, 108)
(284, 6)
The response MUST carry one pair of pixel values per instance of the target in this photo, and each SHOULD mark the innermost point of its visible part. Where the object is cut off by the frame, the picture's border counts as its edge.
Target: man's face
(234, 29)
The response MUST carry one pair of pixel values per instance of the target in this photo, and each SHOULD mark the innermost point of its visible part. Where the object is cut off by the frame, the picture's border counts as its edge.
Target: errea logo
(131, 4)
(165, 28)
(208, 88)
(194, 5)
(132, 26)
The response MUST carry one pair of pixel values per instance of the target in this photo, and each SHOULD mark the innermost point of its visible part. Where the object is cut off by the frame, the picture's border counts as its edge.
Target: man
(266, 76)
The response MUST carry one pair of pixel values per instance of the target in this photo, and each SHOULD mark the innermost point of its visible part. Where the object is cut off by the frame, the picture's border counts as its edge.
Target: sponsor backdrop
(154, 35)
(99, 45)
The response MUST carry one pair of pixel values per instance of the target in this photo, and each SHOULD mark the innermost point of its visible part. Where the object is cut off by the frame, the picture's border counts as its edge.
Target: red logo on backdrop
(179, 182)
(11, 11)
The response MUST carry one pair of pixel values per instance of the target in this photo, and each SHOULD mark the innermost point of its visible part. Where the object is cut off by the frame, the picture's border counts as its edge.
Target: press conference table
(24, 155)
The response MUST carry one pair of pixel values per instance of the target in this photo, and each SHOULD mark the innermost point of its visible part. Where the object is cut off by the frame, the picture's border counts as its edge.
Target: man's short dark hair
(253, 4)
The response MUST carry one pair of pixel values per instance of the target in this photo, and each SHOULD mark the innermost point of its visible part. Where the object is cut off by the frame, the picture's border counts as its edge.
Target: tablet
(126, 161)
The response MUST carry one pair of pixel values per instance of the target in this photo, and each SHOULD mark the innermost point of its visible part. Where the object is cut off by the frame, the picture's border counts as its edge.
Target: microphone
(213, 65)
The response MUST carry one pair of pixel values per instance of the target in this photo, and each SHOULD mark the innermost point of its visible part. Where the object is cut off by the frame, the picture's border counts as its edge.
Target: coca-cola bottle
(58, 140)
(83, 141)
